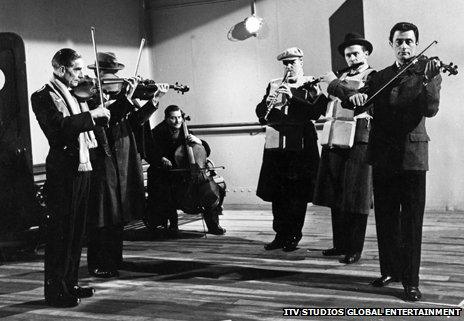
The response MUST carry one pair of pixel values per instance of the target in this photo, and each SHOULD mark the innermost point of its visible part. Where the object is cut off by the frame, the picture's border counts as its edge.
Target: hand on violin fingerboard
(161, 90)
(191, 139)
(432, 69)
(131, 85)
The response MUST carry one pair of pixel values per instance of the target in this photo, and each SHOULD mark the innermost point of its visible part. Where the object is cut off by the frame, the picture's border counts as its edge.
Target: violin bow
(142, 43)
(92, 32)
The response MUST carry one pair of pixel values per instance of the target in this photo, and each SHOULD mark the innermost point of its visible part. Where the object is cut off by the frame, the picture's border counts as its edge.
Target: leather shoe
(104, 274)
(412, 293)
(217, 230)
(63, 301)
(275, 244)
(290, 245)
(82, 292)
(384, 280)
(350, 258)
(332, 252)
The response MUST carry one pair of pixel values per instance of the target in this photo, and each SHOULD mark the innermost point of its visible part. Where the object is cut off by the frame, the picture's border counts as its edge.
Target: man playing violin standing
(291, 155)
(398, 152)
(117, 189)
(68, 127)
(162, 205)
(344, 180)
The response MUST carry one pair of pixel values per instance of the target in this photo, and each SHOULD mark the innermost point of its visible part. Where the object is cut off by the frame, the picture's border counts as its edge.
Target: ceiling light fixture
(253, 23)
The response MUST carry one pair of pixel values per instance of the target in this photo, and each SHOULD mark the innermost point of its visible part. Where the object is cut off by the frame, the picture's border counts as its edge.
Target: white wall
(441, 21)
(49, 25)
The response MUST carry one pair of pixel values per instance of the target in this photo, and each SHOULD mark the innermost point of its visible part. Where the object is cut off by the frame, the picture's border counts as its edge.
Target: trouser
(65, 229)
(399, 199)
(211, 218)
(162, 204)
(104, 250)
(349, 231)
(289, 215)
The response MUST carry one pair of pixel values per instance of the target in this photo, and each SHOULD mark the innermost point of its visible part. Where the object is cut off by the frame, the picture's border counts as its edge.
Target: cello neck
(189, 149)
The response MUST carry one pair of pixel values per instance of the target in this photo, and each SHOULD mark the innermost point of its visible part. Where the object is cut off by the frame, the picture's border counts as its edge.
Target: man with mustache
(344, 179)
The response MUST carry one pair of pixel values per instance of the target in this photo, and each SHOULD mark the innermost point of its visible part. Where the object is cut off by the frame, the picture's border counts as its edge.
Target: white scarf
(86, 139)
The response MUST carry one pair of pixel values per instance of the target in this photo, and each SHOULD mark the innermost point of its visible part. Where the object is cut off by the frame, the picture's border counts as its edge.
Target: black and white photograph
(231, 160)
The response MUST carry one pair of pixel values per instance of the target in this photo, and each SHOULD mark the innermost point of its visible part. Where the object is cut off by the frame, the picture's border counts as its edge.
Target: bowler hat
(353, 38)
(107, 61)
(291, 53)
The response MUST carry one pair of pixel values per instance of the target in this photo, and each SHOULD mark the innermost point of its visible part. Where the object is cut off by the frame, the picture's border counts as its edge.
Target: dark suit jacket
(62, 133)
(398, 138)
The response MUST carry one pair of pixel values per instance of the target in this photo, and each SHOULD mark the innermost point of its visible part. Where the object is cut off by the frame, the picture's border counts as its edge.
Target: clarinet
(273, 101)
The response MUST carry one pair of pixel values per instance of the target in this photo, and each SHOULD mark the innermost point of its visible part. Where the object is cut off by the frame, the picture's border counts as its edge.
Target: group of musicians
(375, 147)
(95, 178)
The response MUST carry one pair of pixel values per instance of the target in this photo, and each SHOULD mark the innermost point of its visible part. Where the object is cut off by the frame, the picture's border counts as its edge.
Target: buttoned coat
(283, 168)
(399, 139)
(62, 134)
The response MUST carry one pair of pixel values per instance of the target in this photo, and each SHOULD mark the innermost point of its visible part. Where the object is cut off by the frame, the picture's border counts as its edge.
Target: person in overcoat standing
(291, 155)
(344, 179)
(68, 127)
(117, 188)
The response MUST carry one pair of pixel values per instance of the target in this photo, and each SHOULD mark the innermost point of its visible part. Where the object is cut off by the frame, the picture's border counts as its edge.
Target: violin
(419, 67)
(146, 88)
(113, 85)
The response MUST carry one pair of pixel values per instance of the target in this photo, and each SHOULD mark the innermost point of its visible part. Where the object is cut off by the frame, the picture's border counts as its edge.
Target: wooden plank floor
(231, 277)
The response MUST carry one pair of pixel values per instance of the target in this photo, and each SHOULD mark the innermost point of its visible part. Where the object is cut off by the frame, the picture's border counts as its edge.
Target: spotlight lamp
(249, 27)
(253, 23)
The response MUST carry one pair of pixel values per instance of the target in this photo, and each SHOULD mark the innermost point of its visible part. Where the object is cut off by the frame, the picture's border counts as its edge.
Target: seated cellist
(162, 201)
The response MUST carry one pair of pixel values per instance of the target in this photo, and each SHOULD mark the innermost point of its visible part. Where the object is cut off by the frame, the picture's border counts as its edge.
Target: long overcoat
(117, 189)
(344, 179)
(284, 168)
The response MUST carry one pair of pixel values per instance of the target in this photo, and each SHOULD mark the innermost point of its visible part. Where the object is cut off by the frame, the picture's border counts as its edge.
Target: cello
(197, 191)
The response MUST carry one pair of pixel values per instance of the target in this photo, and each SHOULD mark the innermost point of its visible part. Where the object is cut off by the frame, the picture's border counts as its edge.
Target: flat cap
(290, 53)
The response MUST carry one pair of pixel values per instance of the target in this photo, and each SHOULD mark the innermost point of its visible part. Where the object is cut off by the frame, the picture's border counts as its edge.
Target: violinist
(344, 179)
(291, 155)
(398, 152)
(163, 201)
(68, 126)
(117, 189)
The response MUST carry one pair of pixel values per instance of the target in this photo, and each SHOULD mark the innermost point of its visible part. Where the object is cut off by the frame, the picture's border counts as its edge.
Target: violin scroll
(450, 68)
